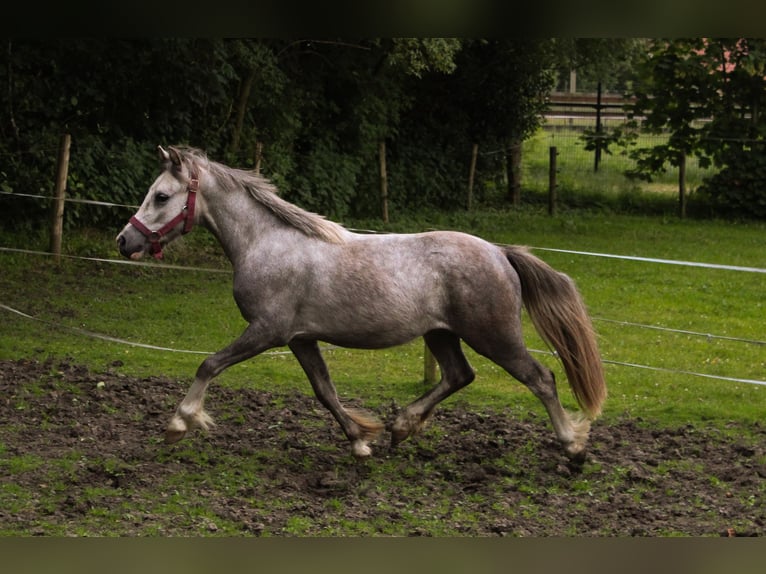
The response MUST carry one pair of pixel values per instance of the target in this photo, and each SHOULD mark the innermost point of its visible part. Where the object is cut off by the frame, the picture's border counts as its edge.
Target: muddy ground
(80, 454)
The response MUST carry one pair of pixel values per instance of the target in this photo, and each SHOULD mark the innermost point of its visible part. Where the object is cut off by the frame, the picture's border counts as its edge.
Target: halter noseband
(186, 215)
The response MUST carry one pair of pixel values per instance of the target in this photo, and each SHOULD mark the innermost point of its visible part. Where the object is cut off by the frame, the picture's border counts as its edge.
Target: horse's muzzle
(129, 248)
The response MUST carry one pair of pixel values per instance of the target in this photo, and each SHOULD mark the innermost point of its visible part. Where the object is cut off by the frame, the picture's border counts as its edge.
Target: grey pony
(300, 279)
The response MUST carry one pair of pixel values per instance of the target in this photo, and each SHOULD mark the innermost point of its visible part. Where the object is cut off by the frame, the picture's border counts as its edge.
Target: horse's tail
(558, 313)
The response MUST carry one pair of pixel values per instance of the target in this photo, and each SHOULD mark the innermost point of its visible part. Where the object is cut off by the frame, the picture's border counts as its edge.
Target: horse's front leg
(359, 427)
(190, 413)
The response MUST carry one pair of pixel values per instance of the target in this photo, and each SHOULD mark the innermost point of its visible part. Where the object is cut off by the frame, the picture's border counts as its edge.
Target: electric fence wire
(109, 338)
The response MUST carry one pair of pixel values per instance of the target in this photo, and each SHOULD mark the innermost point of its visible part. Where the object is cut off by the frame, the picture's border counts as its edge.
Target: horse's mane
(266, 193)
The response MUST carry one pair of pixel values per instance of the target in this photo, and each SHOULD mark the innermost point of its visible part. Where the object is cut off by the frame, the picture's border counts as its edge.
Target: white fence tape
(111, 339)
(573, 252)
(214, 270)
(666, 370)
(654, 260)
(120, 261)
(70, 200)
(708, 336)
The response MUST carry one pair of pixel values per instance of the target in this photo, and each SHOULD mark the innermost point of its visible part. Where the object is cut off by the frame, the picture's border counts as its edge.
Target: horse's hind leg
(456, 374)
(359, 427)
(572, 432)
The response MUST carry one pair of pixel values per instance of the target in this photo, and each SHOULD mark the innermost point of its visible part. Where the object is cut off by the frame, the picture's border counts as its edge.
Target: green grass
(195, 311)
(579, 185)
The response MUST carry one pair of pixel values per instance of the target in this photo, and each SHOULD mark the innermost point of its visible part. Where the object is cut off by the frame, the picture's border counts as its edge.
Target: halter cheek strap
(186, 215)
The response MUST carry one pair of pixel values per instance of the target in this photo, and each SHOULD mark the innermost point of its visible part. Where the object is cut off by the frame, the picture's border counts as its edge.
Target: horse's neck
(236, 221)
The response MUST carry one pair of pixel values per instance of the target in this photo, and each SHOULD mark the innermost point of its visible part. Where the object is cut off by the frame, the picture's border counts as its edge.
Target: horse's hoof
(361, 449)
(577, 458)
(398, 436)
(173, 436)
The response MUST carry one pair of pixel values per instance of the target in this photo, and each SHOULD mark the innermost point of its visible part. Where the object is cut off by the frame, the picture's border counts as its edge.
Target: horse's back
(380, 290)
(440, 271)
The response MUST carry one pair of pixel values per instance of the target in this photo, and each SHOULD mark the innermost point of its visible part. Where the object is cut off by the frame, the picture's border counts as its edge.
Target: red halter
(186, 215)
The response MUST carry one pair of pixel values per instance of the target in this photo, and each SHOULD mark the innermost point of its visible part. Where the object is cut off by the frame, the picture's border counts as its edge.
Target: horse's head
(167, 211)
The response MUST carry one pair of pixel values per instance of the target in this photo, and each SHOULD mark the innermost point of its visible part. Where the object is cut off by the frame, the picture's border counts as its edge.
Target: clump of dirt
(81, 453)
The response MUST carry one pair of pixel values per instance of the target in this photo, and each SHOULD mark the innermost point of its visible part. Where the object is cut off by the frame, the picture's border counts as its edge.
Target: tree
(512, 79)
(606, 61)
(601, 65)
(707, 94)
(736, 138)
(261, 84)
(354, 94)
(118, 99)
(320, 107)
(495, 98)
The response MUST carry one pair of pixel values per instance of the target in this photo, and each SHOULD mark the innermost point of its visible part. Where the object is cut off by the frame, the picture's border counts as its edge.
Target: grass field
(194, 310)
(677, 454)
(577, 181)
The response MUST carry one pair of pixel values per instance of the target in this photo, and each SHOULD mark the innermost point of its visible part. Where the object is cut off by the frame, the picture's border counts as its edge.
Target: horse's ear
(163, 153)
(174, 156)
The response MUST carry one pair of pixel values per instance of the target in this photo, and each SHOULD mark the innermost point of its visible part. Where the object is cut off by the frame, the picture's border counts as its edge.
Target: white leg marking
(360, 448)
(580, 426)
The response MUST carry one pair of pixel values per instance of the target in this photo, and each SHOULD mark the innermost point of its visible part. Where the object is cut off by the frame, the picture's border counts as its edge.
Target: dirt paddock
(80, 454)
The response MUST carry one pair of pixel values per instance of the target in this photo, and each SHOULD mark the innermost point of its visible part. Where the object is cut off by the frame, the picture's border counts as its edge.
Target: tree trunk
(244, 96)
(471, 174)
(383, 180)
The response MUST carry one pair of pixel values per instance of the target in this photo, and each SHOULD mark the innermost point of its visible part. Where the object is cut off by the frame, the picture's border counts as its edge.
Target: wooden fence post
(258, 157)
(383, 180)
(552, 181)
(597, 151)
(471, 173)
(57, 210)
(429, 367)
(682, 185)
(513, 171)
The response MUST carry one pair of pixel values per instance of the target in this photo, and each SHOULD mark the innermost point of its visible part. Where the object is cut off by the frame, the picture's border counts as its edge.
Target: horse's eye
(161, 198)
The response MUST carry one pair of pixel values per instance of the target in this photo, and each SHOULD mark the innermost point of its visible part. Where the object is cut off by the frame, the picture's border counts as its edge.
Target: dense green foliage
(709, 95)
(313, 113)
(319, 108)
